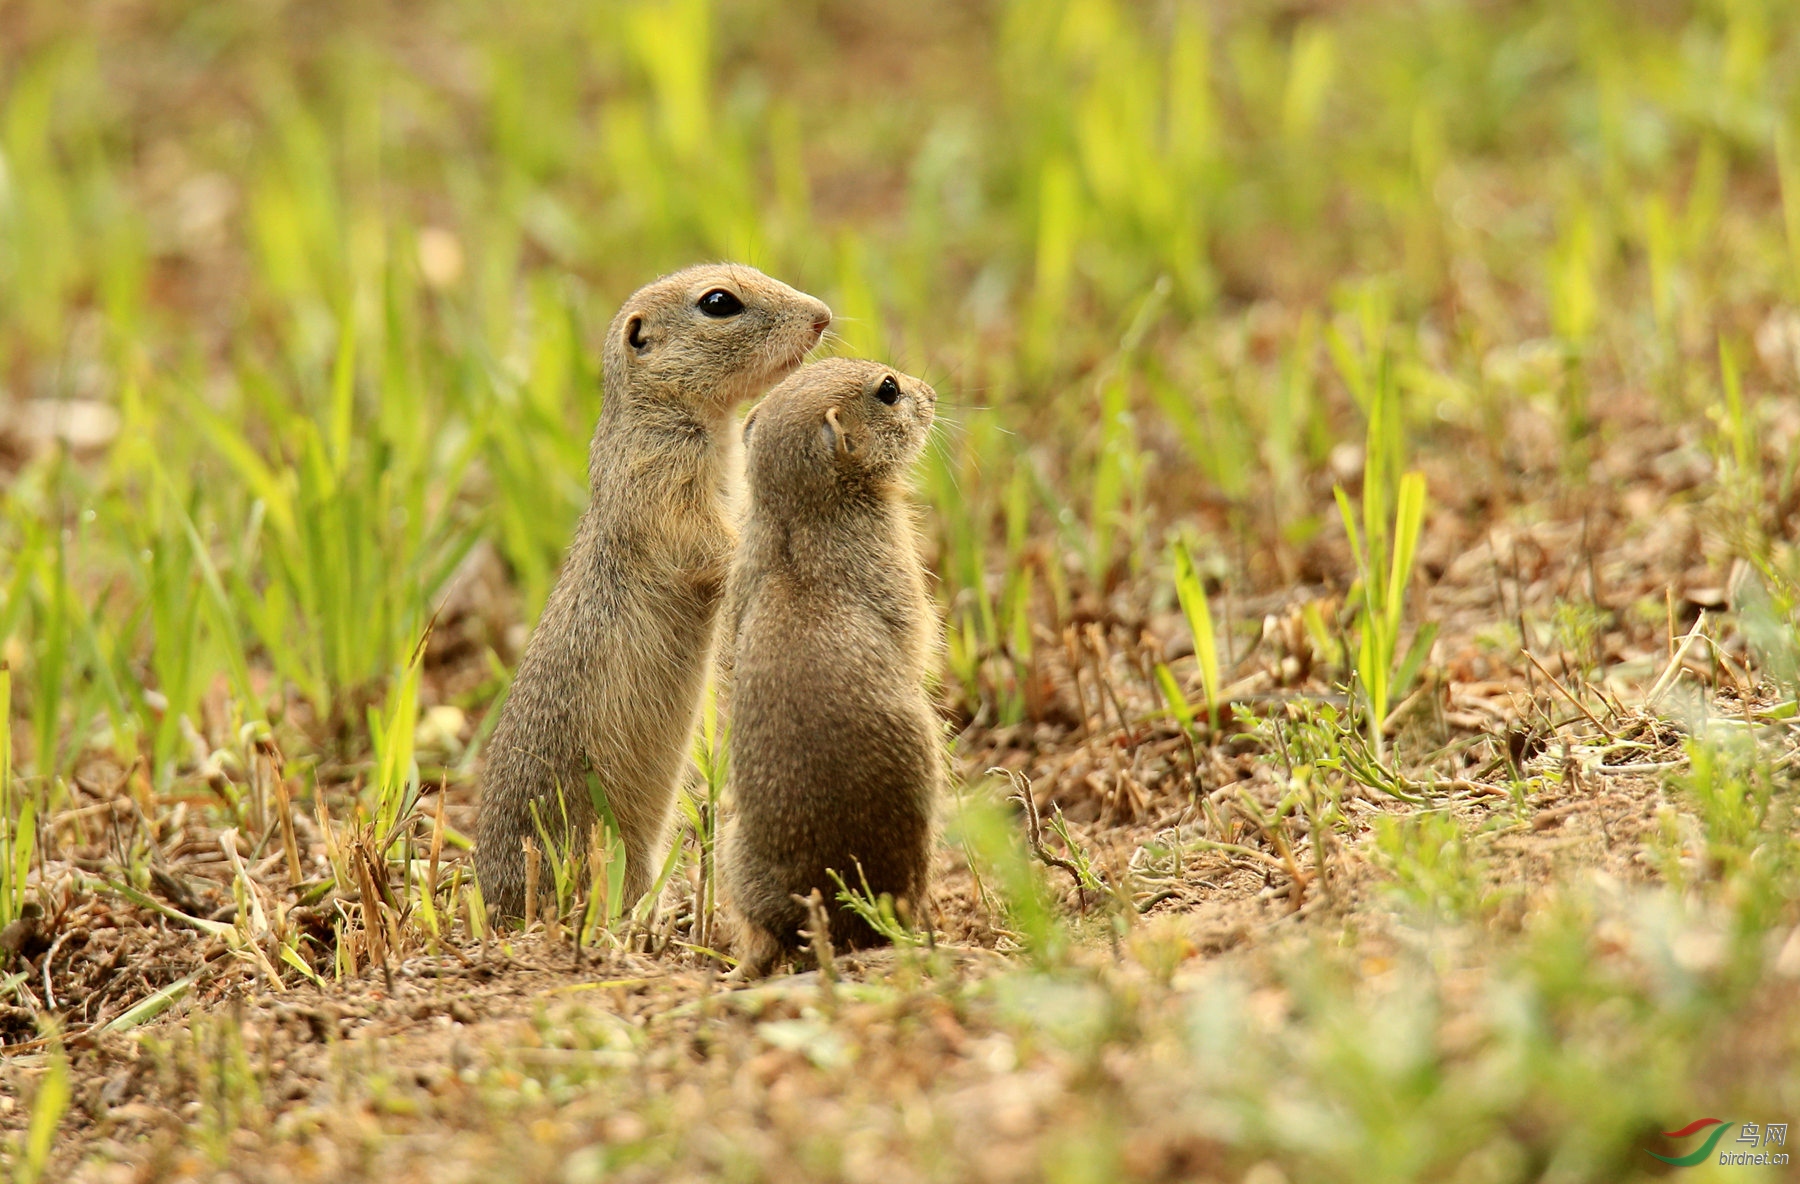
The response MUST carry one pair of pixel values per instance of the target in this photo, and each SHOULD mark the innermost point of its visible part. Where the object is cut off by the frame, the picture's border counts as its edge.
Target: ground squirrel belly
(611, 680)
(836, 751)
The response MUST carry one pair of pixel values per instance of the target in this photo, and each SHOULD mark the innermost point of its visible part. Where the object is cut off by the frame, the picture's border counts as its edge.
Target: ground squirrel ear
(634, 334)
(832, 432)
(749, 422)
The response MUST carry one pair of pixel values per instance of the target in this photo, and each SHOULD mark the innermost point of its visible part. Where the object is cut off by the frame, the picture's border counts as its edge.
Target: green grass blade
(23, 844)
(151, 1005)
(343, 390)
(671, 860)
(11, 890)
(46, 1115)
(1172, 694)
(1787, 157)
(398, 782)
(1349, 517)
(1409, 521)
(292, 957)
(1409, 667)
(1191, 591)
(225, 620)
(145, 901)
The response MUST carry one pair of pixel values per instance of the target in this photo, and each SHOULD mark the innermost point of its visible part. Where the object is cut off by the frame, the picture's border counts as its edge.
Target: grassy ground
(1364, 527)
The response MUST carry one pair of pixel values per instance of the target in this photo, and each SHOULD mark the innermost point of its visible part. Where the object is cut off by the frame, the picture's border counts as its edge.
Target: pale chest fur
(656, 544)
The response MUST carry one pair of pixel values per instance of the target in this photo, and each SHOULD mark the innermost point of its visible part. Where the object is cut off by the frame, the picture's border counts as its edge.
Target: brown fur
(836, 752)
(612, 678)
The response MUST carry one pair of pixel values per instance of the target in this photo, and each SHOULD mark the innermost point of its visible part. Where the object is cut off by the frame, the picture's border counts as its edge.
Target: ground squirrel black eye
(889, 391)
(720, 303)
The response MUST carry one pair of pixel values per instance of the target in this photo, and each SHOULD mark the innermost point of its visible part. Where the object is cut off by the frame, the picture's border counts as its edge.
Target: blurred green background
(338, 271)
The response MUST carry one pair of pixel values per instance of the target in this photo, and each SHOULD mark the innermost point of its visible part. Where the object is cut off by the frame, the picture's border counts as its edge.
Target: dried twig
(531, 881)
(49, 957)
(1073, 652)
(1035, 832)
(1567, 694)
(1673, 670)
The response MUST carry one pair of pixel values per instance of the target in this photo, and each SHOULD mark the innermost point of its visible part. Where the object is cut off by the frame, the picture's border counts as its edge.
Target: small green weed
(1198, 612)
(1435, 864)
(1384, 549)
(18, 817)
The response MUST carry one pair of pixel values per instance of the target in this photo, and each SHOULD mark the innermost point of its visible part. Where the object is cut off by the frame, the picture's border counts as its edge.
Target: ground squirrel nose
(821, 320)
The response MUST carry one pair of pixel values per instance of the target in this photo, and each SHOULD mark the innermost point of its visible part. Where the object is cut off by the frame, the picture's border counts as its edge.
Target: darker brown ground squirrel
(611, 681)
(836, 751)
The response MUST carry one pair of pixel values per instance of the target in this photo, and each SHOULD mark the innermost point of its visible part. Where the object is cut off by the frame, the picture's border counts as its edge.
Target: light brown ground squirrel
(611, 681)
(836, 752)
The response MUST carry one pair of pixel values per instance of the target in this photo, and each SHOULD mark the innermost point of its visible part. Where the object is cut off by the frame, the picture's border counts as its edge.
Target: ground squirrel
(610, 684)
(836, 751)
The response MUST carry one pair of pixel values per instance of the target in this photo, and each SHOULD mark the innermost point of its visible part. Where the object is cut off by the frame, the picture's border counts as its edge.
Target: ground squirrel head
(709, 337)
(838, 424)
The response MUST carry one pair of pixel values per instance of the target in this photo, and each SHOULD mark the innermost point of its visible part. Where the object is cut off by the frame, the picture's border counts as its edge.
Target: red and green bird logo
(1719, 1125)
